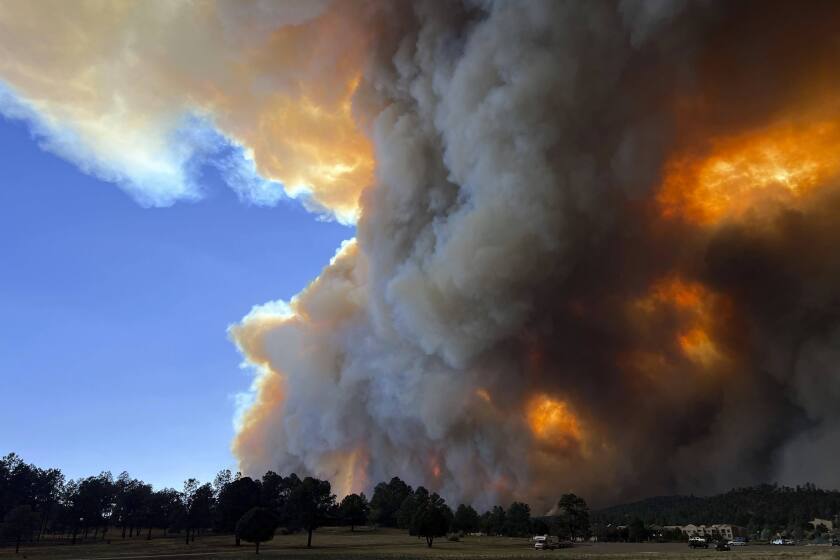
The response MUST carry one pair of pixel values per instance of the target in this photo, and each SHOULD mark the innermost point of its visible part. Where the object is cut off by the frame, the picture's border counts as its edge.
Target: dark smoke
(513, 252)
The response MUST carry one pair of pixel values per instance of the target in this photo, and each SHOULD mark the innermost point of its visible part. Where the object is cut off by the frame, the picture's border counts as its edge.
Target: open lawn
(334, 543)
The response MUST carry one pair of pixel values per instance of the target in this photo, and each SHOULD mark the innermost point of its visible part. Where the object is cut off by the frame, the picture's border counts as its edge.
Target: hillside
(757, 506)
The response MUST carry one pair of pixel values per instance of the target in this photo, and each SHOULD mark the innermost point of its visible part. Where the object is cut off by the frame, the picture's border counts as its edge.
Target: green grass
(335, 543)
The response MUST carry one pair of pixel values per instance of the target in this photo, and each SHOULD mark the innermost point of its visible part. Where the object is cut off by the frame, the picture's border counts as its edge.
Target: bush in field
(256, 526)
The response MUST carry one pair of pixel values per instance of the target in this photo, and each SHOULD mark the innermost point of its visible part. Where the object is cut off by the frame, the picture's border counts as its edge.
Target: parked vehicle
(783, 542)
(835, 541)
(722, 546)
(738, 542)
(546, 542)
(697, 542)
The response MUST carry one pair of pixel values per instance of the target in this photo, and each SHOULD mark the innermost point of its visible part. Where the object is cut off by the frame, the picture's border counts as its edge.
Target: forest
(765, 508)
(38, 503)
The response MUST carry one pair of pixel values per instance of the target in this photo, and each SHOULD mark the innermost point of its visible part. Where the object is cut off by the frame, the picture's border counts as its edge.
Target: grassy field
(329, 543)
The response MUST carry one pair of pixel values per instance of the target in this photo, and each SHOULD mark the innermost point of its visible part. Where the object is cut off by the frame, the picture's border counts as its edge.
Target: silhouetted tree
(354, 510)
(518, 520)
(271, 491)
(17, 482)
(275, 493)
(200, 512)
(466, 519)
(573, 515)
(431, 518)
(386, 501)
(493, 521)
(189, 498)
(19, 524)
(257, 525)
(234, 499)
(46, 491)
(310, 504)
(130, 495)
(91, 502)
(405, 515)
(158, 509)
(223, 478)
(539, 527)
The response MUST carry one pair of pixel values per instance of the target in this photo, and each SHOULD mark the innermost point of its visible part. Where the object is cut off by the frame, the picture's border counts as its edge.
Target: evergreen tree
(354, 510)
(466, 519)
(257, 525)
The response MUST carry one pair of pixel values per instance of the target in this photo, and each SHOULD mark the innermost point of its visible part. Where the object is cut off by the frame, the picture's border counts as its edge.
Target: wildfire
(696, 307)
(678, 293)
(552, 422)
(698, 347)
(352, 468)
(778, 165)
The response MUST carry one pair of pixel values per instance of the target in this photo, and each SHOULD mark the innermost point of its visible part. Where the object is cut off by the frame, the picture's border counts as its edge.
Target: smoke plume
(596, 241)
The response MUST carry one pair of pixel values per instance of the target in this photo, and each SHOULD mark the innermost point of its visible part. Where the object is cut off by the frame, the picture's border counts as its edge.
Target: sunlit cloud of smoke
(596, 241)
(143, 94)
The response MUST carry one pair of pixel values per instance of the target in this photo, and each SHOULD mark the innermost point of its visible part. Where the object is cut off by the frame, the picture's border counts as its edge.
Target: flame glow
(353, 478)
(747, 172)
(694, 307)
(553, 423)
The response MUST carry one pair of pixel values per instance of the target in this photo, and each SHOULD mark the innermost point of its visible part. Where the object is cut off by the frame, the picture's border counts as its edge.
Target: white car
(698, 542)
(737, 543)
(545, 542)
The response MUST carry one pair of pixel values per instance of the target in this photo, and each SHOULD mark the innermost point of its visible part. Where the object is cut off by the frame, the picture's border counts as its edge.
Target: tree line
(765, 509)
(396, 504)
(36, 503)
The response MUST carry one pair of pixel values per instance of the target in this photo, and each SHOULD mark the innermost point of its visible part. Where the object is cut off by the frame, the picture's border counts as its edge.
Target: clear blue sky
(113, 346)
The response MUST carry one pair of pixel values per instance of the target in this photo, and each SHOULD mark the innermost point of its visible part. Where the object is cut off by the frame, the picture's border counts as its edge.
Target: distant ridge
(755, 506)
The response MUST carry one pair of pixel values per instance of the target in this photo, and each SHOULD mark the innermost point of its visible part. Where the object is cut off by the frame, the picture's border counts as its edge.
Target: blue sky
(113, 346)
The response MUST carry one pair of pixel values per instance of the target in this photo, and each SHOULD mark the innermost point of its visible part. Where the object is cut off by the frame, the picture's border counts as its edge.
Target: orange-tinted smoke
(688, 308)
(553, 424)
(750, 172)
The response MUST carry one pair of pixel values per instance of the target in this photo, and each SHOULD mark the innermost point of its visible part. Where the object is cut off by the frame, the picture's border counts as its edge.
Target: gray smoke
(518, 316)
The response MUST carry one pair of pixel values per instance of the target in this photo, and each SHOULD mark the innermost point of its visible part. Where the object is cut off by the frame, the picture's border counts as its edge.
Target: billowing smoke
(598, 256)
(596, 246)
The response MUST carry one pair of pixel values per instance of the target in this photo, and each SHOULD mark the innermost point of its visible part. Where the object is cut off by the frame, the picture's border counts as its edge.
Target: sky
(114, 344)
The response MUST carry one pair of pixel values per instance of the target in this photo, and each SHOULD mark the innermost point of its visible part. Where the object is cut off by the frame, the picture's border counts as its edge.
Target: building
(723, 531)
